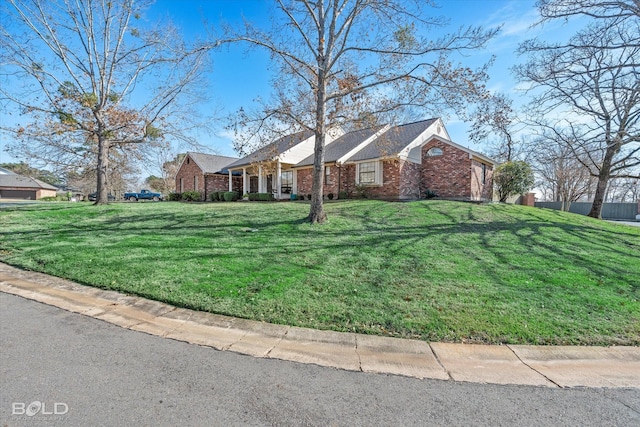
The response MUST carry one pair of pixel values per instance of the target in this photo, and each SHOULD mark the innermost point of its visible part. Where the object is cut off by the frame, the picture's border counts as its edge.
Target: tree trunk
(603, 180)
(101, 171)
(317, 214)
(598, 198)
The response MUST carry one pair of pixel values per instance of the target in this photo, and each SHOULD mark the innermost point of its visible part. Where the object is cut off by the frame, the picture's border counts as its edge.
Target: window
(484, 174)
(286, 181)
(327, 174)
(435, 151)
(367, 173)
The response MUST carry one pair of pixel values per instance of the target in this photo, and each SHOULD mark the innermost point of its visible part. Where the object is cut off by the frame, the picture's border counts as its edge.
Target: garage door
(18, 194)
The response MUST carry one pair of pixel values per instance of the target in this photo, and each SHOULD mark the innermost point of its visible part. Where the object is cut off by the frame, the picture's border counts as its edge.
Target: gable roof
(209, 163)
(274, 149)
(26, 182)
(4, 171)
(343, 145)
(416, 152)
(393, 141)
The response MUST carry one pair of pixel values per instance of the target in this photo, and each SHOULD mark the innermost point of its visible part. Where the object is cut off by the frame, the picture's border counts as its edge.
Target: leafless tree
(343, 63)
(560, 176)
(495, 115)
(588, 96)
(624, 190)
(599, 9)
(88, 73)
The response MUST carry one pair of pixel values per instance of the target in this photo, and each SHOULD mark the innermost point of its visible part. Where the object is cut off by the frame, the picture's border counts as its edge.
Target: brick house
(206, 173)
(401, 162)
(14, 186)
(395, 163)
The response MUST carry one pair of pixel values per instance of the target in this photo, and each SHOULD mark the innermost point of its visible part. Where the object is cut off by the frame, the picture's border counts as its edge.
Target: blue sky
(237, 78)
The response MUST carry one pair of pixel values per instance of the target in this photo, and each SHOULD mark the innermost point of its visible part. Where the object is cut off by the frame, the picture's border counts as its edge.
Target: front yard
(431, 270)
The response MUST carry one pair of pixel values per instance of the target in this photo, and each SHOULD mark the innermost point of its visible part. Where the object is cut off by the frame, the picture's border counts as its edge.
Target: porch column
(279, 181)
(230, 181)
(260, 186)
(245, 190)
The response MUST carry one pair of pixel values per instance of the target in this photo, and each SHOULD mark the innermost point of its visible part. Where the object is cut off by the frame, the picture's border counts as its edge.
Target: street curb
(549, 366)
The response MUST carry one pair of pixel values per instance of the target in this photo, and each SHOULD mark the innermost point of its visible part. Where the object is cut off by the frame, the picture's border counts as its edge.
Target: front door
(269, 183)
(253, 184)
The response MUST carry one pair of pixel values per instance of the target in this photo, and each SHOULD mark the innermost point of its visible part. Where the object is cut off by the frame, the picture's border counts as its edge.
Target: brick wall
(220, 182)
(188, 172)
(448, 175)
(390, 188)
(305, 181)
(410, 180)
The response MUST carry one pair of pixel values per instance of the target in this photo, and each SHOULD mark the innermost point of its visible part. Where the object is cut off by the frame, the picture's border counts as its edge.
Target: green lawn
(431, 270)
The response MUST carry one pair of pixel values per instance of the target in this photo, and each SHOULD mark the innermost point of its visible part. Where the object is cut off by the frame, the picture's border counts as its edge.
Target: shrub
(191, 196)
(343, 195)
(261, 197)
(230, 196)
(513, 178)
(330, 196)
(362, 192)
(214, 196)
(308, 196)
(174, 197)
(430, 194)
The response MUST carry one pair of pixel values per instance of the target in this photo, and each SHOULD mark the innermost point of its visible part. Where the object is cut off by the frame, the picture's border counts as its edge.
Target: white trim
(377, 170)
(279, 180)
(363, 144)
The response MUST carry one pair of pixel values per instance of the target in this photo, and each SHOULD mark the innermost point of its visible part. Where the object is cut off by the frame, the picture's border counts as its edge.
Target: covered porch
(276, 178)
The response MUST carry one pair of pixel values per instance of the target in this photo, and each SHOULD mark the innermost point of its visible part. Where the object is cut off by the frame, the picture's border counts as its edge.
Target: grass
(430, 270)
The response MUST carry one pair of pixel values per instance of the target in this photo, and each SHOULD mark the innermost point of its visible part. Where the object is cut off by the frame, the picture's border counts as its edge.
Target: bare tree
(496, 116)
(599, 9)
(589, 97)
(86, 74)
(560, 176)
(345, 63)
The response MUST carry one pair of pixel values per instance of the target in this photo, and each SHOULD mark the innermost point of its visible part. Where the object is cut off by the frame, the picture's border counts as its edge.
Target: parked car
(143, 195)
(94, 196)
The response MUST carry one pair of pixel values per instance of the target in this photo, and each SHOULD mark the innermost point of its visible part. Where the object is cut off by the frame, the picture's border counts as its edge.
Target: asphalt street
(62, 368)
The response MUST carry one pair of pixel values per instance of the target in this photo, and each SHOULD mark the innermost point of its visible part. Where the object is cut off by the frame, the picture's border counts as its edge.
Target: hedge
(261, 197)
(230, 196)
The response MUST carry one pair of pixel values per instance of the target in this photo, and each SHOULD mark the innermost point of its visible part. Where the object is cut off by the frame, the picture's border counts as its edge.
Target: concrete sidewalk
(551, 366)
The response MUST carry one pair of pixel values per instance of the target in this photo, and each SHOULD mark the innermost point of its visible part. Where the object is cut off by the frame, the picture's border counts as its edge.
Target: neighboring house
(206, 173)
(14, 186)
(399, 162)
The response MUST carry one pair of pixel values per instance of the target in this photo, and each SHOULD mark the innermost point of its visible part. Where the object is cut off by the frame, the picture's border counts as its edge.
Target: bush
(362, 191)
(230, 196)
(330, 196)
(214, 197)
(174, 197)
(300, 196)
(513, 178)
(261, 197)
(343, 195)
(191, 196)
(429, 194)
